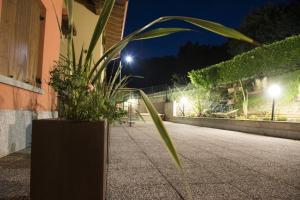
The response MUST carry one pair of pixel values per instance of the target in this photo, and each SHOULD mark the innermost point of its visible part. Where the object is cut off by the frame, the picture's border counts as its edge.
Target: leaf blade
(99, 28)
(161, 128)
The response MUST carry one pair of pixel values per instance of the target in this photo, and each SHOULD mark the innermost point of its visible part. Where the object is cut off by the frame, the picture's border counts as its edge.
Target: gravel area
(218, 164)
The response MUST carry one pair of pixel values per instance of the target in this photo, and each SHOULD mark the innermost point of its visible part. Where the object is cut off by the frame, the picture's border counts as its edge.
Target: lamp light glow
(131, 101)
(183, 101)
(274, 91)
(128, 59)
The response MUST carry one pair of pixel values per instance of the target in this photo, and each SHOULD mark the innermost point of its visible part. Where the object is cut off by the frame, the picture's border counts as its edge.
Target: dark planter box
(68, 160)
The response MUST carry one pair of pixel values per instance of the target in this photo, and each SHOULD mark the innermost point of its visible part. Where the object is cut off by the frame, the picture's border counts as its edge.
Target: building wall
(18, 106)
(85, 22)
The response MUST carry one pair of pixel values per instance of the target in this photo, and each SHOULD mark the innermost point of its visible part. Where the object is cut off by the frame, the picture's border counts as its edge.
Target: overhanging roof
(115, 27)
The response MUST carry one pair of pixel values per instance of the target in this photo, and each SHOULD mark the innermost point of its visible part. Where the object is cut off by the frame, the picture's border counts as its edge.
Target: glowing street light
(128, 59)
(183, 102)
(274, 92)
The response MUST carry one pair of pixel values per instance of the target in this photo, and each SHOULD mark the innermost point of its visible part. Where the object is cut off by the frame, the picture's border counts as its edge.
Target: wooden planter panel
(68, 160)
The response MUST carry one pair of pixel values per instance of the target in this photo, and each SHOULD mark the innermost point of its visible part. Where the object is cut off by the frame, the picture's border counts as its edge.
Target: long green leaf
(100, 26)
(116, 48)
(140, 116)
(160, 127)
(213, 27)
(159, 32)
(114, 78)
(105, 62)
(147, 35)
(208, 25)
(80, 60)
(73, 55)
(69, 5)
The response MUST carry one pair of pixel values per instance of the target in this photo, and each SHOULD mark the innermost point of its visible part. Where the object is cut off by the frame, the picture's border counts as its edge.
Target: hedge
(269, 60)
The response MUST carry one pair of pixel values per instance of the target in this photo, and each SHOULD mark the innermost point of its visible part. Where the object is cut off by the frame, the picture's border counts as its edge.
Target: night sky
(227, 12)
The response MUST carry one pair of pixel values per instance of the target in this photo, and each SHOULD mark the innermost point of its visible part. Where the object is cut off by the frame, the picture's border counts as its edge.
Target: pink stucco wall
(20, 99)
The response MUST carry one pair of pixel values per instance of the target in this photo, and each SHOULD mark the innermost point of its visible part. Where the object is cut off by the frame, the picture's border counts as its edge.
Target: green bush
(268, 60)
(253, 117)
(282, 118)
(266, 118)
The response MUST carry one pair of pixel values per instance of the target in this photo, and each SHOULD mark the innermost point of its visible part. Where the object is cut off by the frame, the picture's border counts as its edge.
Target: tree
(267, 24)
(170, 69)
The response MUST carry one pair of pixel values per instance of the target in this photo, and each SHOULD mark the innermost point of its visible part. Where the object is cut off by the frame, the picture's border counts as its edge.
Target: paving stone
(125, 164)
(218, 191)
(142, 192)
(134, 177)
(263, 187)
(218, 165)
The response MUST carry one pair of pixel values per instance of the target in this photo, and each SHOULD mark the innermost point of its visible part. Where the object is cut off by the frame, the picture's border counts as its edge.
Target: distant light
(128, 59)
(131, 101)
(184, 101)
(274, 91)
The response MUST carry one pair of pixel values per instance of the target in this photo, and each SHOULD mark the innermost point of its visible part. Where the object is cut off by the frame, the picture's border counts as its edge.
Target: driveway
(218, 164)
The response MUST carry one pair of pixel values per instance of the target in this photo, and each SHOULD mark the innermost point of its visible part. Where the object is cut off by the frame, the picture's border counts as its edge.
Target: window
(21, 38)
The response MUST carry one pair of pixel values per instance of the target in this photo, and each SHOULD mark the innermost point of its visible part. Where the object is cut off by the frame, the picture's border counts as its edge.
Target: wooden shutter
(20, 29)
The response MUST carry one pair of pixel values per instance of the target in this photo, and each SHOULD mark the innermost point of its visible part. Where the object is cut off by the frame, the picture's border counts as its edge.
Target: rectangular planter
(68, 160)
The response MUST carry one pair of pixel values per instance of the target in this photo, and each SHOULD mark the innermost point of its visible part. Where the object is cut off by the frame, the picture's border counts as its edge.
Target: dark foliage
(268, 24)
(170, 69)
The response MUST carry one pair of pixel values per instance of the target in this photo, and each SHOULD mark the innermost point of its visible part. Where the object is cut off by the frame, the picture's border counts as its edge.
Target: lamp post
(274, 92)
(130, 108)
(183, 102)
(128, 60)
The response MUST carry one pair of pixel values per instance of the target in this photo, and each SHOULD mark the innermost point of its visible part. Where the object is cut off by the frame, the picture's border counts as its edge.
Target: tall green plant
(87, 88)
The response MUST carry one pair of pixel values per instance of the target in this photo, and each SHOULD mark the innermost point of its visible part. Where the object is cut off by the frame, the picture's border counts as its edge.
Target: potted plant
(69, 154)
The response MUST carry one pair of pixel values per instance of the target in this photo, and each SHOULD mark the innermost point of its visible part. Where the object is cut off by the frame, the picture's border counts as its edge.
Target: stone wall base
(15, 129)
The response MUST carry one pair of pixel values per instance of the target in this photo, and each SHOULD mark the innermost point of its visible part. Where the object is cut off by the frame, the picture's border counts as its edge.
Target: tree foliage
(170, 69)
(268, 60)
(268, 24)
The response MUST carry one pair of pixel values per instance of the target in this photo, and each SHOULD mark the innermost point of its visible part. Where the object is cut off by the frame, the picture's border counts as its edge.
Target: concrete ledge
(289, 130)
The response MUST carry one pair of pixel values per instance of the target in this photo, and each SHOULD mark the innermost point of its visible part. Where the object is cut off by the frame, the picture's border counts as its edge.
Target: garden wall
(287, 130)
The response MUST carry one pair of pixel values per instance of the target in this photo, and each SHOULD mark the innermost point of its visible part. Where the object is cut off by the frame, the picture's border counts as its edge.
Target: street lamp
(130, 108)
(183, 102)
(274, 92)
(128, 60)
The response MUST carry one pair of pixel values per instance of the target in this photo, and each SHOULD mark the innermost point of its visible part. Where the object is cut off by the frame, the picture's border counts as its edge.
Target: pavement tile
(142, 192)
(134, 177)
(128, 155)
(125, 164)
(287, 175)
(218, 164)
(216, 191)
(191, 176)
(263, 187)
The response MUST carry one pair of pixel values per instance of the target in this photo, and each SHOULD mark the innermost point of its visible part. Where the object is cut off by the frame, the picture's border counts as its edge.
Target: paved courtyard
(218, 164)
